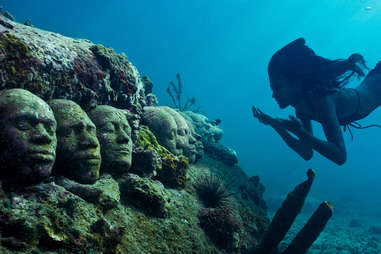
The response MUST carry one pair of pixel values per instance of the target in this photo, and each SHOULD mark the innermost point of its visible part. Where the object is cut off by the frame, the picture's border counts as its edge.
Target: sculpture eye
(108, 127)
(50, 128)
(23, 125)
(91, 129)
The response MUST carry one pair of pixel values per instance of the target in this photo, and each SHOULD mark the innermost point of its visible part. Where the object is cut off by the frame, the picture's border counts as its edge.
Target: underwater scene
(244, 127)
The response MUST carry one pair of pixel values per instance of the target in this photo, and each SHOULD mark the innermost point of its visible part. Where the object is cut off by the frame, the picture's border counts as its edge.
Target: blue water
(221, 49)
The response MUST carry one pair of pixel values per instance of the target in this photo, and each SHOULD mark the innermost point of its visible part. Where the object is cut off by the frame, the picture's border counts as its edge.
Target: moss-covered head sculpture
(114, 135)
(173, 131)
(27, 138)
(78, 150)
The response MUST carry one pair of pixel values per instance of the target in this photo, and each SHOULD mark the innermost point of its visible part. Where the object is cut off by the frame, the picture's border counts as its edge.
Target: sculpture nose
(41, 135)
(122, 137)
(88, 140)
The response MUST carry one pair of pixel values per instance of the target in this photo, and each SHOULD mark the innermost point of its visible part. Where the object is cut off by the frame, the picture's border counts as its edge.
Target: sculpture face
(172, 131)
(163, 126)
(185, 141)
(114, 134)
(78, 150)
(27, 137)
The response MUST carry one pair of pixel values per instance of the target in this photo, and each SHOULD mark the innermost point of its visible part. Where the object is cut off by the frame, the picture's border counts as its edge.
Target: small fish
(368, 8)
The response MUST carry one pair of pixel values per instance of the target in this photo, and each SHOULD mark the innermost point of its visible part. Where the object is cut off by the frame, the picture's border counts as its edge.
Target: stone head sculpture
(78, 150)
(27, 138)
(114, 135)
(171, 130)
(185, 139)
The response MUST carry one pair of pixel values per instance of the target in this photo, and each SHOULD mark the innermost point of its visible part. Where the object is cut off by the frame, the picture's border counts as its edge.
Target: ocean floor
(344, 234)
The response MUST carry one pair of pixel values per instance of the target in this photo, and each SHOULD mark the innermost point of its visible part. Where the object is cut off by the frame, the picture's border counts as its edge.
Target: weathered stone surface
(54, 66)
(47, 217)
(146, 194)
(104, 192)
(222, 153)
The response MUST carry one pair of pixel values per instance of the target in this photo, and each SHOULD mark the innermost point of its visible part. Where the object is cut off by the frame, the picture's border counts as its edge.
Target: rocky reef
(128, 176)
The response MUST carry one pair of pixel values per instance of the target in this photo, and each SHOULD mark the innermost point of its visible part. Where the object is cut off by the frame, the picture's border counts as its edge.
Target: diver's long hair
(296, 61)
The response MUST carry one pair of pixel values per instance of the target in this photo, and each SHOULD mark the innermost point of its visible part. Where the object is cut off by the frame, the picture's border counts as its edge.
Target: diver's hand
(293, 125)
(265, 118)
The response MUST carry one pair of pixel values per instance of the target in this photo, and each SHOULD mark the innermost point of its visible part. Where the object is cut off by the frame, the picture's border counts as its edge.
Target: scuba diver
(315, 87)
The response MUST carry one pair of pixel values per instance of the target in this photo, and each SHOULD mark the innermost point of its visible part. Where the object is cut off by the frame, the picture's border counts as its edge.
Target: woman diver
(315, 87)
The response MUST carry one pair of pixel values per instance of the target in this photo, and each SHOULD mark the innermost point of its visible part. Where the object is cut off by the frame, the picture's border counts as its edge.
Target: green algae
(174, 168)
(13, 47)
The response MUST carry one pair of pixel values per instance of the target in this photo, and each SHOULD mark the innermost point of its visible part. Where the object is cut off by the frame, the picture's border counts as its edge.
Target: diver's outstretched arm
(282, 127)
(333, 148)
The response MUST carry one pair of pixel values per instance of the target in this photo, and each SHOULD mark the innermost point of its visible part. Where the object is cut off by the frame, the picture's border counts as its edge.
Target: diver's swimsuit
(351, 121)
(356, 114)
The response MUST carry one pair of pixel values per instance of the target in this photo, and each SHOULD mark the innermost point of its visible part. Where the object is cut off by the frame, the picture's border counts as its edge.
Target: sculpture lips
(41, 152)
(88, 155)
(90, 158)
(124, 150)
(44, 156)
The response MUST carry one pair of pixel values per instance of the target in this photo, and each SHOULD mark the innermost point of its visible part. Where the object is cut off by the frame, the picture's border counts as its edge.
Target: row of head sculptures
(173, 131)
(38, 139)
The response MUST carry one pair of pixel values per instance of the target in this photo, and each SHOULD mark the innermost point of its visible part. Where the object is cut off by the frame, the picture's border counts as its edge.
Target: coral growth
(146, 194)
(176, 91)
(121, 73)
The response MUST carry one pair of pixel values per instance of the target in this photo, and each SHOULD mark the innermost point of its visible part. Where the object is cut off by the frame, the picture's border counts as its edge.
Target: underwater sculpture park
(91, 164)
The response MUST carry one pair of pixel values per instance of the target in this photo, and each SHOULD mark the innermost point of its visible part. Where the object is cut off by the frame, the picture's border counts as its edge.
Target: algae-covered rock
(47, 216)
(54, 66)
(150, 158)
(222, 153)
(104, 192)
(146, 194)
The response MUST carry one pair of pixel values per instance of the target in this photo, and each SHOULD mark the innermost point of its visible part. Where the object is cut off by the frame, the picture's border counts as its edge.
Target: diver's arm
(301, 147)
(334, 147)
(282, 127)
